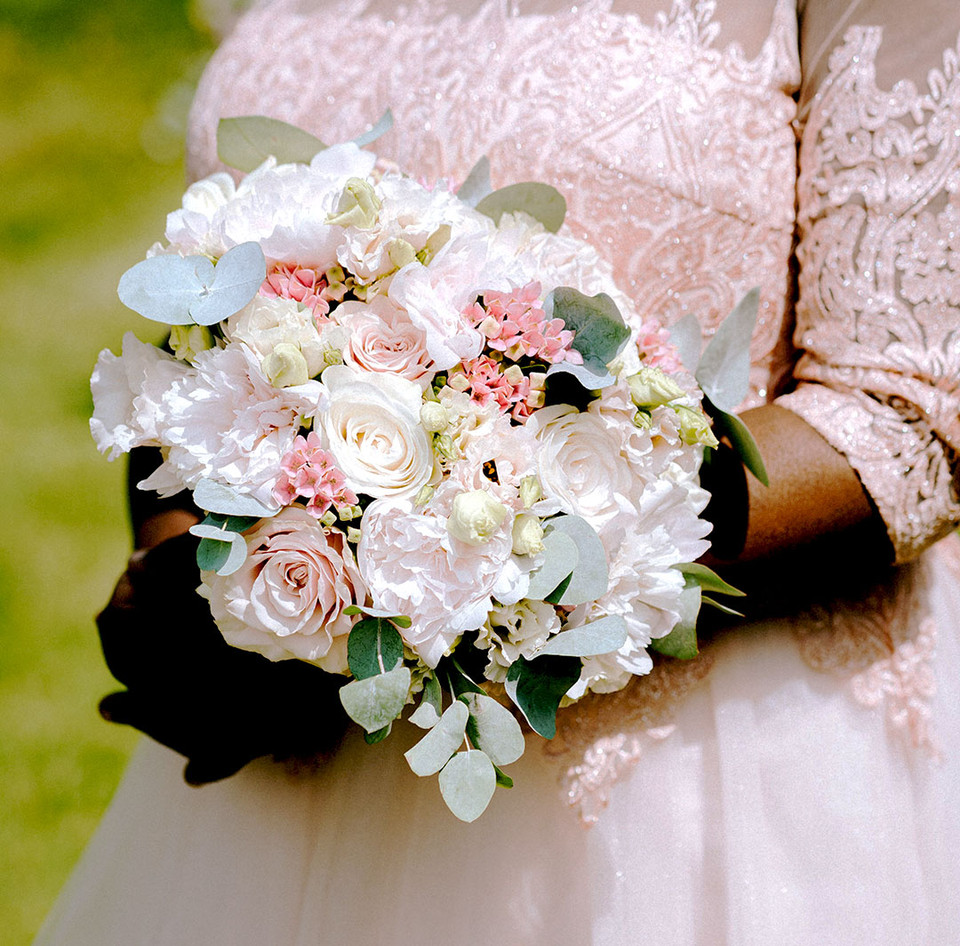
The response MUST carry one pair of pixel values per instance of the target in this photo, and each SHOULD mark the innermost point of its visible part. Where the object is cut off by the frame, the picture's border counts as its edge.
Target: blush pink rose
(288, 598)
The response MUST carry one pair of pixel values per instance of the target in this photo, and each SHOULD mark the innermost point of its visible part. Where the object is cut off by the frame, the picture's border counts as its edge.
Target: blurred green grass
(90, 114)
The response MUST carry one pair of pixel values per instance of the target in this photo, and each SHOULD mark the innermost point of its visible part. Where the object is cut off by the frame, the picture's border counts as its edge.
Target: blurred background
(92, 116)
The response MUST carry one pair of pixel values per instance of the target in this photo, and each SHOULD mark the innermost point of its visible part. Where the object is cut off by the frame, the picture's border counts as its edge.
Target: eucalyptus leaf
(212, 496)
(460, 681)
(606, 635)
(425, 715)
(681, 642)
(591, 575)
(433, 693)
(713, 603)
(708, 579)
(246, 142)
(383, 125)
(219, 551)
(493, 728)
(230, 523)
(540, 201)
(435, 749)
(376, 701)
(560, 558)
(599, 330)
(186, 290)
(477, 185)
(590, 379)
(537, 686)
(687, 336)
(467, 783)
(736, 431)
(503, 780)
(373, 647)
(724, 369)
(372, 738)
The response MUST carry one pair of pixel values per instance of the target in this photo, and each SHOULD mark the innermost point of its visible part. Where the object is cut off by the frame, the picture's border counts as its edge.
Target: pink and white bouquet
(439, 451)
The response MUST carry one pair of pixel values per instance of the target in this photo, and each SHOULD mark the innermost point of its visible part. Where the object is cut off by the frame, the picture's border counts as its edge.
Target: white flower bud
(401, 252)
(353, 534)
(530, 491)
(527, 535)
(285, 366)
(358, 207)
(513, 374)
(695, 427)
(187, 341)
(476, 516)
(434, 417)
(650, 387)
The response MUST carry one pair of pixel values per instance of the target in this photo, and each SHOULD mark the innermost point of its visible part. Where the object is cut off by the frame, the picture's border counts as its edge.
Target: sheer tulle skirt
(779, 811)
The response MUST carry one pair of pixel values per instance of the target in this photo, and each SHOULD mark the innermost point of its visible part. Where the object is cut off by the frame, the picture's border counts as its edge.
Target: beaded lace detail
(879, 194)
(678, 160)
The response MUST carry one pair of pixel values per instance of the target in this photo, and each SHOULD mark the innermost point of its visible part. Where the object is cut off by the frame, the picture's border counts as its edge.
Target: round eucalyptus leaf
(494, 729)
(467, 783)
(606, 635)
(434, 750)
(376, 701)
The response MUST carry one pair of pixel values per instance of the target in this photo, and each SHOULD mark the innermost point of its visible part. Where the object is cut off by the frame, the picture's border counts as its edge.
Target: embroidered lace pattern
(678, 160)
(879, 197)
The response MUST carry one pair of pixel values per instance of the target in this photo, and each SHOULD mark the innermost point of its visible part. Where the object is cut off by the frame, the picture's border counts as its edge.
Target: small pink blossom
(300, 284)
(510, 390)
(656, 349)
(310, 471)
(514, 323)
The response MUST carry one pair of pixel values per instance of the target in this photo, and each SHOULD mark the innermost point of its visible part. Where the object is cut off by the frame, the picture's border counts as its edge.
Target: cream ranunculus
(372, 427)
(288, 598)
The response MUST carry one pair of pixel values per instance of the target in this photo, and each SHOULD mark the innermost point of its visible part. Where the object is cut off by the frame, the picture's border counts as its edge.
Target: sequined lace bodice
(677, 152)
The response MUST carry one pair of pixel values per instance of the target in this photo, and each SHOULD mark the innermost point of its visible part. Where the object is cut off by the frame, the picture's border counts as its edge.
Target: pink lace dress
(798, 784)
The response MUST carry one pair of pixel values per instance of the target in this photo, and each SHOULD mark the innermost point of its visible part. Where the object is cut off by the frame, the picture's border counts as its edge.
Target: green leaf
(477, 184)
(246, 142)
(603, 636)
(599, 330)
(467, 783)
(687, 335)
(493, 728)
(215, 497)
(724, 369)
(431, 704)
(383, 125)
(372, 738)
(713, 603)
(708, 579)
(503, 780)
(737, 432)
(681, 642)
(537, 686)
(558, 592)
(219, 551)
(230, 523)
(591, 575)
(376, 701)
(588, 379)
(373, 647)
(559, 560)
(540, 201)
(435, 749)
(460, 681)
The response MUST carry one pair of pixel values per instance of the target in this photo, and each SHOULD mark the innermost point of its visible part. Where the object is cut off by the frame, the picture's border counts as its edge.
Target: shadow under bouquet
(439, 451)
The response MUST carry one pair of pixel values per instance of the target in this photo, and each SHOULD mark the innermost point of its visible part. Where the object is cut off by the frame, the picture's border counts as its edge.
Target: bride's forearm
(811, 533)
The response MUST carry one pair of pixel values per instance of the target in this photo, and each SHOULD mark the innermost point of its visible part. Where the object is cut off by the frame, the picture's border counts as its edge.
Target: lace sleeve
(878, 310)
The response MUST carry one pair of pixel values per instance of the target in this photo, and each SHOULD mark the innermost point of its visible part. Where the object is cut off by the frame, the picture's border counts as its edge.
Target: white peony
(267, 322)
(372, 427)
(288, 598)
(223, 420)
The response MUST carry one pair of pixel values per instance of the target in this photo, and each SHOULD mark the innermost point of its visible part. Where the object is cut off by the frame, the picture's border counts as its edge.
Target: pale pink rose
(382, 338)
(287, 599)
(411, 565)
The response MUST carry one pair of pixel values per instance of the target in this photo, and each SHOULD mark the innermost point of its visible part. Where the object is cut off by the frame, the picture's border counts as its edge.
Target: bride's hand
(188, 689)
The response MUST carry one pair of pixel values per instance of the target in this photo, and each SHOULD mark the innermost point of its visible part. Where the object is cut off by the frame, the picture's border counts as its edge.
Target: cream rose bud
(434, 416)
(265, 323)
(527, 535)
(475, 517)
(288, 598)
(358, 206)
(285, 366)
(650, 387)
(372, 428)
(695, 427)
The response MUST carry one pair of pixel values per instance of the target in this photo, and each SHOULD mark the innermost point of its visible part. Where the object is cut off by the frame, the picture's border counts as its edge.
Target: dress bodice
(677, 157)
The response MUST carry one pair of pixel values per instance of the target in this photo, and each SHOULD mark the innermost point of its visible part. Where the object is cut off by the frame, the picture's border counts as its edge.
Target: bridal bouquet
(439, 451)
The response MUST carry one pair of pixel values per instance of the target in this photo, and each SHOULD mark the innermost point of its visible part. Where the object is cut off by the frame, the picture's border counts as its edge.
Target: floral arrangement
(439, 451)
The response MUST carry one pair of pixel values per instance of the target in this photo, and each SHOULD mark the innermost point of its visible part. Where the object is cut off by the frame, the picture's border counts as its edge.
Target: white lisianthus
(475, 517)
(513, 631)
(372, 428)
(267, 322)
(527, 534)
(288, 598)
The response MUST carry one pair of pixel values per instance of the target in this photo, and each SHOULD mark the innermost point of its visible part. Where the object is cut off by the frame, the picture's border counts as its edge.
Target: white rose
(268, 322)
(580, 463)
(288, 598)
(382, 338)
(372, 427)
